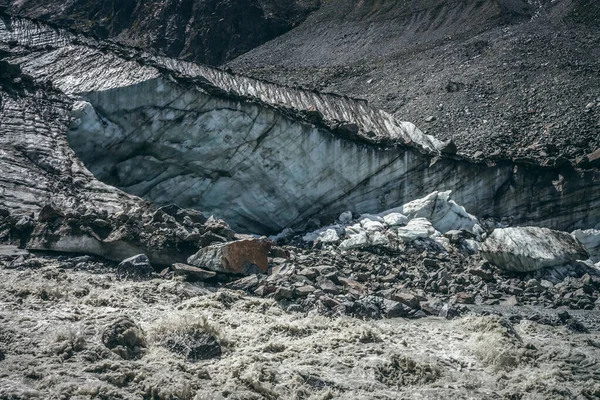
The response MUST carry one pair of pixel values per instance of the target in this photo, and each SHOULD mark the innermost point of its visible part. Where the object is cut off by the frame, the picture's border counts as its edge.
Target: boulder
(526, 249)
(136, 267)
(244, 257)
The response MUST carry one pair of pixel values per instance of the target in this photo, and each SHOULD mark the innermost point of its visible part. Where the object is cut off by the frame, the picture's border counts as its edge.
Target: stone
(526, 249)
(194, 273)
(430, 263)
(407, 299)
(310, 273)
(431, 118)
(247, 283)
(327, 285)
(136, 267)
(195, 345)
(242, 257)
(464, 298)
(395, 309)
(304, 291)
(125, 338)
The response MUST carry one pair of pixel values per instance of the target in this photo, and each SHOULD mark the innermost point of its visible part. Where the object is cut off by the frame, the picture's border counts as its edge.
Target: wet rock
(526, 249)
(194, 346)
(243, 257)
(394, 309)
(136, 267)
(125, 338)
(191, 272)
(368, 308)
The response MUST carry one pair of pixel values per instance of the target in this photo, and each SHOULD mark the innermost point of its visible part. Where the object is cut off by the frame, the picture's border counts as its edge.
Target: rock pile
(397, 264)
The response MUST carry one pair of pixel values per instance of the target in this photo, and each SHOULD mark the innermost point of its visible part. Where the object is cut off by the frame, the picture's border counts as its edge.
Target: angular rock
(242, 257)
(304, 291)
(136, 267)
(192, 272)
(527, 249)
(395, 309)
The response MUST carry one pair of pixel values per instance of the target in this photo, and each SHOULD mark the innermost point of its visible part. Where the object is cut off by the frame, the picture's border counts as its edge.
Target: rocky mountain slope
(206, 31)
(517, 78)
(169, 130)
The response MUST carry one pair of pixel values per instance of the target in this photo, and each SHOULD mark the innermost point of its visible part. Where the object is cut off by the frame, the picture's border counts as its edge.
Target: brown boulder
(244, 257)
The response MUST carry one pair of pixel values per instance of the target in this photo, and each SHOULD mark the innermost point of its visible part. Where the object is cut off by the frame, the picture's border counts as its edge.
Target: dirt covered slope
(511, 78)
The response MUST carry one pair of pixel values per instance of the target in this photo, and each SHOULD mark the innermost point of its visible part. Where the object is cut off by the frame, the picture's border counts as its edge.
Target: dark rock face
(206, 31)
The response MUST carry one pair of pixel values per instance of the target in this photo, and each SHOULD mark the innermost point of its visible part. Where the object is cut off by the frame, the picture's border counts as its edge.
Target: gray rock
(194, 273)
(530, 249)
(304, 291)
